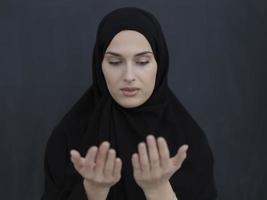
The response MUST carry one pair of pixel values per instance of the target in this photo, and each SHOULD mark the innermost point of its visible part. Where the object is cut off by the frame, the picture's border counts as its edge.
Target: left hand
(153, 167)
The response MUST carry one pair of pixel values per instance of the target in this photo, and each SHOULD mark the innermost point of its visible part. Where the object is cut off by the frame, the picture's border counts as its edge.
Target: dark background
(217, 69)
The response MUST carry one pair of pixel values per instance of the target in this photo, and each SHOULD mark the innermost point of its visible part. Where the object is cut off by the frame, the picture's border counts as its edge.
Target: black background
(217, 69)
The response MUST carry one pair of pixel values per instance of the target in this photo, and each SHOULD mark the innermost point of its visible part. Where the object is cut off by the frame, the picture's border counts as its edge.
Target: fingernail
(105, 143)
(71, 152)
(150, 137)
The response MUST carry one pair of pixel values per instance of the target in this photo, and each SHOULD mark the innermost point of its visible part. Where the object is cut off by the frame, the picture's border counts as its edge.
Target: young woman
(128, 137)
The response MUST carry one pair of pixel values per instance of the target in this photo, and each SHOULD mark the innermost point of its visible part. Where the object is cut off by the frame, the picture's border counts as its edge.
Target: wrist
(95, 193)
(162, 191)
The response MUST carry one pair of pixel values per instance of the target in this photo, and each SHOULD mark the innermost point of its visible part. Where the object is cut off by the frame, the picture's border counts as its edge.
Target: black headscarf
(96, 117)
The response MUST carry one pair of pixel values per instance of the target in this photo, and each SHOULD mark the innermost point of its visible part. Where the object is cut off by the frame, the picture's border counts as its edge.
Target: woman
(128, 137)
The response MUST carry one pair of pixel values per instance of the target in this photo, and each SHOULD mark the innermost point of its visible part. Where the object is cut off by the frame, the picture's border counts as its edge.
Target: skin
(152, 165)
(100, 169)
(129, 69)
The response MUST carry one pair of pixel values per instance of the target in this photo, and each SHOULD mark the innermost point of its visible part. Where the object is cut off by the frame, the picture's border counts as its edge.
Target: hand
(100, 169)
(154, 168)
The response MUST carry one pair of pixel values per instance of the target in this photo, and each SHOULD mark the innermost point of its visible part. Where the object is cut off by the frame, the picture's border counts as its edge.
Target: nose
(128, 75)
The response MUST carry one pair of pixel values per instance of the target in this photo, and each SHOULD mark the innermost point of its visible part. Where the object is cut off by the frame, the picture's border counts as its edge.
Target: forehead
(129, 41)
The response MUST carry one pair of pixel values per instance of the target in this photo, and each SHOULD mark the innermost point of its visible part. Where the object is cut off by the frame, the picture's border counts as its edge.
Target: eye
(143, 62)
(115, 63)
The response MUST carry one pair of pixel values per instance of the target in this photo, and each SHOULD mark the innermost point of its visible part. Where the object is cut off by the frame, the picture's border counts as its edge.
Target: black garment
(97, 117)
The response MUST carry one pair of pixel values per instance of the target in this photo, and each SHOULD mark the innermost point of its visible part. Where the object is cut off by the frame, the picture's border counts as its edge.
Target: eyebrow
(117, 54)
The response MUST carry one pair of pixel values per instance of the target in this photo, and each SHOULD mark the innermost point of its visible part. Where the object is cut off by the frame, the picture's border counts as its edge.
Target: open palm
(152, 164)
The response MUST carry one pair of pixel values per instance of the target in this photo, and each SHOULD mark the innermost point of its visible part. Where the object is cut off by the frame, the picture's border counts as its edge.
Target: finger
(144, 162)
(136, 165)
(90, 158)
(110, 163)
(163, 152)
(117, 169)
(153, 153)
(77, 160)
(180, 156)
(101, 158)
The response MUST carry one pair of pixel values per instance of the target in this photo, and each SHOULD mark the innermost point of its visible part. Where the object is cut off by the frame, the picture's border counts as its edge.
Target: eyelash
(140, 63)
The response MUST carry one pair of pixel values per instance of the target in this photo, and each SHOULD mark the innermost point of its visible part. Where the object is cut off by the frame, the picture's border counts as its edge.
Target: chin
(130, 104)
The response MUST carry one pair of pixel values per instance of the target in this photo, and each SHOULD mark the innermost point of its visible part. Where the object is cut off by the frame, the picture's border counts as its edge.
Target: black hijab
(96, 117)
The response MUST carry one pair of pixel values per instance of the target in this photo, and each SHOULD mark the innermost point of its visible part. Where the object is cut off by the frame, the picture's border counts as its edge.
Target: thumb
(76, 159)
(179, 158)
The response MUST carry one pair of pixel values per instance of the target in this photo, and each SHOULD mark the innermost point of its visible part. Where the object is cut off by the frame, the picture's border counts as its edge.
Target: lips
(129, 89)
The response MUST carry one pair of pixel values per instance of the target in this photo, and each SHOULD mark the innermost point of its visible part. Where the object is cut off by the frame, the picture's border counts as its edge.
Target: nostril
(128, 80)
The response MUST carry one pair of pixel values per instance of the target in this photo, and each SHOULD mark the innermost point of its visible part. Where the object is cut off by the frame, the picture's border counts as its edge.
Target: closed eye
(143, 63)
(119, 62)
(115, 63)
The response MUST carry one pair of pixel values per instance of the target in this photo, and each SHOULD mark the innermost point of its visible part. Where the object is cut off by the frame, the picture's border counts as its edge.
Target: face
(129, 62)
(129, 68)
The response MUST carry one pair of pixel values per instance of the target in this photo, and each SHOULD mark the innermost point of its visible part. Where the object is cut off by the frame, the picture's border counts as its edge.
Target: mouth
(130, 92)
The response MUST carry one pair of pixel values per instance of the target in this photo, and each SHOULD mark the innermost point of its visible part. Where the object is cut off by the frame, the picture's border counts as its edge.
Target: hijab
(96, 117)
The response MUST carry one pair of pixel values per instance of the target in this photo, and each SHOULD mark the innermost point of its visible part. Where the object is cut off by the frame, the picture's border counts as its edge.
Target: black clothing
(97, 117)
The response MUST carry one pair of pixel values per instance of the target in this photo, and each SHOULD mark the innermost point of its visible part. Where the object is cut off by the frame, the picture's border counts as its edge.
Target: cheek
(112, 78)
(149, 78)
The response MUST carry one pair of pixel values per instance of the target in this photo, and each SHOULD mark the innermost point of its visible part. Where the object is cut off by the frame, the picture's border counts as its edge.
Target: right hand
(100, 169)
